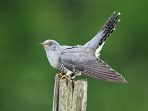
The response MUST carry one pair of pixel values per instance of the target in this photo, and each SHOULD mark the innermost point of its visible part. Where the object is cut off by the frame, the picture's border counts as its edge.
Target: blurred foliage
(26, 78)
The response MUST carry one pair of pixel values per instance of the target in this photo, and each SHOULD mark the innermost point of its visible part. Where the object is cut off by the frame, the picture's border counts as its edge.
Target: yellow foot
(63, 76)
(66, 77)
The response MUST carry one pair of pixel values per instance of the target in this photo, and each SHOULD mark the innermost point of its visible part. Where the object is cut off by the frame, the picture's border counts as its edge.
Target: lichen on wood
(69, 95)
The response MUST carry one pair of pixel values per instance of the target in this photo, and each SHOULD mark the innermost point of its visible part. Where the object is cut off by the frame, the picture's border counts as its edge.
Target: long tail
(105, 32)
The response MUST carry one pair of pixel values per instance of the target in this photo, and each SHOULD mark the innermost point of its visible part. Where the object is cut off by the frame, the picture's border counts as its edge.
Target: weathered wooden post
(69, 95)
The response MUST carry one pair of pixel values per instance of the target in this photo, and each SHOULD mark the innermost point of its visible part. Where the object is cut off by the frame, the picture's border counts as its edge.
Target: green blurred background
(26, 78)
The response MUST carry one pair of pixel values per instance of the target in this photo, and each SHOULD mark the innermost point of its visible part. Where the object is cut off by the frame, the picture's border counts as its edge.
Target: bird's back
(77, 54)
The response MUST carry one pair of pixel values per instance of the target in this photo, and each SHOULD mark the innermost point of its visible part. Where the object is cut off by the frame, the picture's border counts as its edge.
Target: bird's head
(53, 52)
(51, 45)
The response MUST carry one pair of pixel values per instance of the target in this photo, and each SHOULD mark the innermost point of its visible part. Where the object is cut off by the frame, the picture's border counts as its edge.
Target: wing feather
(80, 59)
(96, 69)
(100, 70)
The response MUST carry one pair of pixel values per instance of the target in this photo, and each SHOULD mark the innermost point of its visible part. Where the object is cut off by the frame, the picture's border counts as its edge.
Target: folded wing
(100, 70)
(92, 67)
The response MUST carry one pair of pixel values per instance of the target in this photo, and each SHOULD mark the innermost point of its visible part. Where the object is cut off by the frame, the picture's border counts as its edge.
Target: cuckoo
(84, 59)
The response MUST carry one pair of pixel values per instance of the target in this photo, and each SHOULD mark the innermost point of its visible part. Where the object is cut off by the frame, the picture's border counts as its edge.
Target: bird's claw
(63, 76)
(66, 77)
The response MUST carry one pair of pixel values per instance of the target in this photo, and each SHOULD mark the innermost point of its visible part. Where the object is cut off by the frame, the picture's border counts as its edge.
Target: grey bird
(84, 59)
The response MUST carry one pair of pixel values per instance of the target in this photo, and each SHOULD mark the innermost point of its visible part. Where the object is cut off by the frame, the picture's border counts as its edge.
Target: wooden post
(69, 95)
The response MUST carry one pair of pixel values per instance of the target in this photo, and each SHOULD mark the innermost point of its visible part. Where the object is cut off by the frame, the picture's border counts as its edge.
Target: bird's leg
(72, 76)
(61, 74)
(66, 75)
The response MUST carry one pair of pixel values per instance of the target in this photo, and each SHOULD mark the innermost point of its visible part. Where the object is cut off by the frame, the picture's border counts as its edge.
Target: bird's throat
(53, 59)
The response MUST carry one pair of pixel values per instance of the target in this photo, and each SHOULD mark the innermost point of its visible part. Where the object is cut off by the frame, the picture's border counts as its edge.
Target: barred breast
(54, 59)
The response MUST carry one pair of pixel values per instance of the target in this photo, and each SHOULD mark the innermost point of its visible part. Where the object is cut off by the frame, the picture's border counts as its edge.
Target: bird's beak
(42, 44)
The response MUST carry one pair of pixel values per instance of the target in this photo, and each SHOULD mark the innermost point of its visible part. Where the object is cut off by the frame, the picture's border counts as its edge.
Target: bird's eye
(49, 44)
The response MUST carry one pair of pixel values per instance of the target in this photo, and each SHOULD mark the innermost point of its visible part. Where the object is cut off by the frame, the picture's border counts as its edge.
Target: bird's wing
(99, 39)
(76, 55)
(94, 68)
(100, 70)
(65, 47)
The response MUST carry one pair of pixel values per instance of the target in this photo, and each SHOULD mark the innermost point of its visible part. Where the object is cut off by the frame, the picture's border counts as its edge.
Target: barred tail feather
(105, 32)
